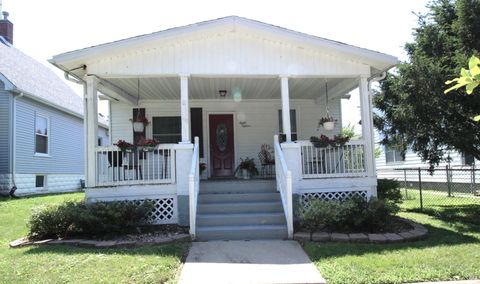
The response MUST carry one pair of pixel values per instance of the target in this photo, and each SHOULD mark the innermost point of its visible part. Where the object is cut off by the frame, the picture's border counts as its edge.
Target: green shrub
(389, 189)
(91, 220)
(353, 214)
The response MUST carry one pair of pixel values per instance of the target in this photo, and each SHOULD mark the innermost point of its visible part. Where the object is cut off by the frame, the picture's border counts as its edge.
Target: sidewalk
(248, 262)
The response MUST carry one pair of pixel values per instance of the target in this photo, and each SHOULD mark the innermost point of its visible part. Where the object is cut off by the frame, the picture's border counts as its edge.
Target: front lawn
(451, 252)
(65, 264)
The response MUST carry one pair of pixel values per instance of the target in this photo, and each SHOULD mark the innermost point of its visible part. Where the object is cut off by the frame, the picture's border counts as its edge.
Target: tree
(415, 112)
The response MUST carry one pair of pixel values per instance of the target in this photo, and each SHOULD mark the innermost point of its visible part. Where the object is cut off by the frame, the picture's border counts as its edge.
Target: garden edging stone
(417, 233)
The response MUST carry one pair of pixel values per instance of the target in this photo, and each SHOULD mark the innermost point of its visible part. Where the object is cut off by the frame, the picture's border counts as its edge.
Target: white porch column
(286, 108)
(367, 126)
(91, 129)
(184, 110)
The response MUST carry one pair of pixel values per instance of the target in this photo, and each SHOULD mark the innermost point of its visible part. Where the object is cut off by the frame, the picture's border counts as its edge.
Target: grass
(65, 264)
(451, 252)
(456, 208)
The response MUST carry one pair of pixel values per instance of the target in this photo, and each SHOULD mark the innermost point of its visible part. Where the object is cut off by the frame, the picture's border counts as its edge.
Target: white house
(232, 82)
(41, 125)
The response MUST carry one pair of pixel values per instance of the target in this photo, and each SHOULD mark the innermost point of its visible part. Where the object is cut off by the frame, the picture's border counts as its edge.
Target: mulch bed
(155, 235)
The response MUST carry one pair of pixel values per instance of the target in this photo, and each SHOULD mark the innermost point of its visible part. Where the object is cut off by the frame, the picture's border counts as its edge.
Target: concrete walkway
(248, 262)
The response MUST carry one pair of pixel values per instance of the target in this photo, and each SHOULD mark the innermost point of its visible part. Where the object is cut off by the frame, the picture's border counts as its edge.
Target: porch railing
(284, 185)
(342, 161)
(141, 166)
(194, 187)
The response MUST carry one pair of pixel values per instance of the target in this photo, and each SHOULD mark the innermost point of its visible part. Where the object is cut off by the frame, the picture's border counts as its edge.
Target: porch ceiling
(168, 88)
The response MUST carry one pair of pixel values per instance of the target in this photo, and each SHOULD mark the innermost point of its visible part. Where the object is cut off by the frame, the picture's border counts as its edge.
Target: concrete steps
(240, 210)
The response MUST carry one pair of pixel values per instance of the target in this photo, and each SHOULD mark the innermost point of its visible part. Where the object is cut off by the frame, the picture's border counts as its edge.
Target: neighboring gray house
(41, 125)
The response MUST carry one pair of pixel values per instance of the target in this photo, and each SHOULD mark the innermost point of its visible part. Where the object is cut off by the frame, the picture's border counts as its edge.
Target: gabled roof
(377, 60)
(35, 79)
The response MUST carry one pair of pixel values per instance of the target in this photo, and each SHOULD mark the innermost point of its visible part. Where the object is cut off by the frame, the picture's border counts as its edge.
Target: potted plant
(202, 167)
(248, 168)
(147, 145)
(327, 122)
(139, 123)
(124, 146)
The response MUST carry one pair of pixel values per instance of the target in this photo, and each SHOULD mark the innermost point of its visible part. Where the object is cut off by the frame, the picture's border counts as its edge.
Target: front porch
(236, 84)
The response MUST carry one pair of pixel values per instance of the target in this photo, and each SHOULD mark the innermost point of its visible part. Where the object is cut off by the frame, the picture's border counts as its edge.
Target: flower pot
(245, 174)
(138, 126)
(329, 125)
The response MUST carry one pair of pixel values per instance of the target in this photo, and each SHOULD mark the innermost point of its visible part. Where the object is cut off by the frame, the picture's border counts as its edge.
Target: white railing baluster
(327, 162)
(114, 167)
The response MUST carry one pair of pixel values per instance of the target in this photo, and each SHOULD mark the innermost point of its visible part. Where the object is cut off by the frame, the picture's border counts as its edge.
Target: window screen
(393, 155)
(41, 135)
(167, 129)
(39, 181)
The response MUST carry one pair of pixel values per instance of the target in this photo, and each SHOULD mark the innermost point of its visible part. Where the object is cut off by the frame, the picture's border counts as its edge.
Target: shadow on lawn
(436, 237)
(465, 217)
(176, 250)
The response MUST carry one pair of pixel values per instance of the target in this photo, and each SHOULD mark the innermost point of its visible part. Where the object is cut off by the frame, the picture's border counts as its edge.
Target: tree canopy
(415, 112)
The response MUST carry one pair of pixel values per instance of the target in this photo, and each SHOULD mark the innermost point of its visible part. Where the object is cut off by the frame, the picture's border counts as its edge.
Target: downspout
(14, 143)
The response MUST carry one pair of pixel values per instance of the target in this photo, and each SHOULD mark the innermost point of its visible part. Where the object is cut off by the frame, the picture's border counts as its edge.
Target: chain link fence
(449, 192)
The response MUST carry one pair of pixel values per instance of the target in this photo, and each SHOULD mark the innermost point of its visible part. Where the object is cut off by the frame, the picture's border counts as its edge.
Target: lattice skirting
(306, 198)
(164, 210)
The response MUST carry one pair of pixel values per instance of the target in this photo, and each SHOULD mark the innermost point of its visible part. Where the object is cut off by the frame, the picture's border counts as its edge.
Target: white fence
(284, 185)
(194, 187)
(139, 166)
(342, 161)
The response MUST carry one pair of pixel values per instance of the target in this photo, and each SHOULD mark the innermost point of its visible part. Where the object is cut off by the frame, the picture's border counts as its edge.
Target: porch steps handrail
(284, 185)
(194, 187)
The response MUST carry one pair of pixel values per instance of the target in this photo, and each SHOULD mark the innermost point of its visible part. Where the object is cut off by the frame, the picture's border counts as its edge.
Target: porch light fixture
(222, 93)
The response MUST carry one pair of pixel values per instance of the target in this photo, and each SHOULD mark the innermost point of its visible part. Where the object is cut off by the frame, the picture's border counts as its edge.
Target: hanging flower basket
(327, 122)
(139, 123)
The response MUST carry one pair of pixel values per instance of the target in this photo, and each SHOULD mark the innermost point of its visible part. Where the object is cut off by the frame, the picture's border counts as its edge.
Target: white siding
(65, 141)
(261, 116)
(226, 51)
(5, 108)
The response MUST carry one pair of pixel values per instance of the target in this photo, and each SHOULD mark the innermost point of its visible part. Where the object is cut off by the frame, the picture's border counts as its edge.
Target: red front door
(221, 145)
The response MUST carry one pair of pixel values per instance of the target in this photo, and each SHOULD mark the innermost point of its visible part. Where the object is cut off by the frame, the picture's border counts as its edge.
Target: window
(41, 134)
(393, 155)
(468, 159)
(167, 129)
(39, 181)
(293, 124)
(100, 141)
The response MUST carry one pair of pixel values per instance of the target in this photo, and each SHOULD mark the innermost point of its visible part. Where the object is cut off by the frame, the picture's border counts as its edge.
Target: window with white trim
(39, 181)
(41, 134)
(393, 155)
(468, 159)
(167, 129)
